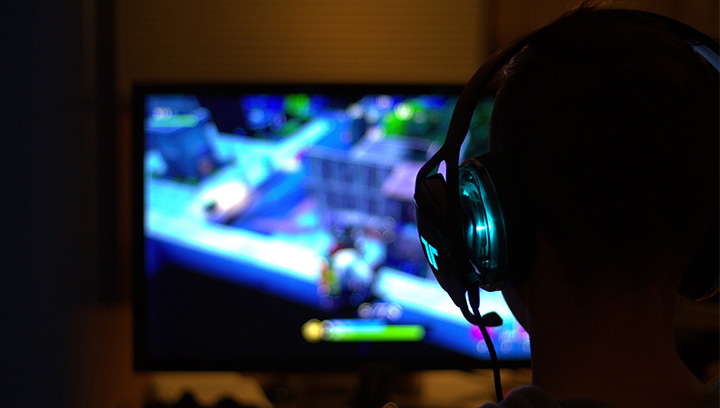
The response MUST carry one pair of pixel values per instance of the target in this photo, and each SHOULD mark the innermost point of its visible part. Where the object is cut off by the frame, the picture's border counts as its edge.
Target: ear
(517, 294)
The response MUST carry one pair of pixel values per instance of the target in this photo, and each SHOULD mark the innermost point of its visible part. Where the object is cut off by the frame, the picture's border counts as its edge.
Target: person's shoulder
(526, 397)
(535, 397)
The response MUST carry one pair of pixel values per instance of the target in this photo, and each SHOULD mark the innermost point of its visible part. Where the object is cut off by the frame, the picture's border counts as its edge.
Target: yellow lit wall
(297, 41)
(335, 41)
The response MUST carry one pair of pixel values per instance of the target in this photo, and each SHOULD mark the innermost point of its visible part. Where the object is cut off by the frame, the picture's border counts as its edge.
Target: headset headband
(474, 90)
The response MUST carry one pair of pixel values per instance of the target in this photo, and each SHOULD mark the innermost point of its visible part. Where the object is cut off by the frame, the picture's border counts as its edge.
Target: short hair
(611, 121)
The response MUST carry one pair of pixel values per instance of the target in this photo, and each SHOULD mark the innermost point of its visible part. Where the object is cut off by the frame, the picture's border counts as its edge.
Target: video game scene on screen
(309, 198)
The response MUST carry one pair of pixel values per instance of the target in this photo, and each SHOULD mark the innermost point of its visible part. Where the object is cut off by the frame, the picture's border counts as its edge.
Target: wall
(335, 41)
(297, 41)
(43, 173)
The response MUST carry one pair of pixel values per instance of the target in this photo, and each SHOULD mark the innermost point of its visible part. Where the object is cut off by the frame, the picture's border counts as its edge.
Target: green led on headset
(430, 251)
(482, 224)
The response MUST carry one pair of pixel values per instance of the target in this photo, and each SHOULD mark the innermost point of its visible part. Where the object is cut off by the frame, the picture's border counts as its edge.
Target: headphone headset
(472, 225)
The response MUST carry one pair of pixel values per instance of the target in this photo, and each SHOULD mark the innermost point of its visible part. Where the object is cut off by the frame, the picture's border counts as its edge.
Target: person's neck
(620, 351)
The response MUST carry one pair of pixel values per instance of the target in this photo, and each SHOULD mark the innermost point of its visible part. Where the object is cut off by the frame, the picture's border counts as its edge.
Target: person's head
(611, 122)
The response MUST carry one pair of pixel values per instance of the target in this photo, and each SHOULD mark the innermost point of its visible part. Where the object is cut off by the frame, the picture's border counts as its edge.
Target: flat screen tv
(275, 230)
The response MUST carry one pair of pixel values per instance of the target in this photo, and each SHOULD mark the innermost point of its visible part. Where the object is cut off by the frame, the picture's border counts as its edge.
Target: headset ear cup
(495, 206)
(701, 279)
(432, 221)
(482, 224)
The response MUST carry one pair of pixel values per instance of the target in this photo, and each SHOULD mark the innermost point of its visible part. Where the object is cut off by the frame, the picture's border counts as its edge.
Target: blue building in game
(368, 180)
(180, 130)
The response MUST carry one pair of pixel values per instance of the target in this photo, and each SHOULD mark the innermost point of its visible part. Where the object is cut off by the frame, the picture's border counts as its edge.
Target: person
(610, 122)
